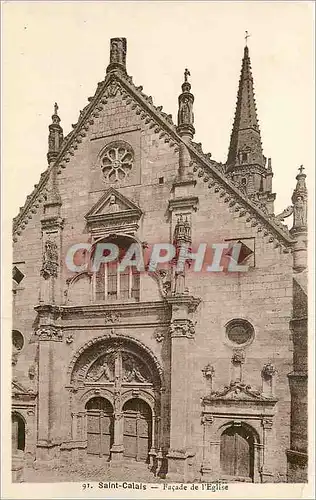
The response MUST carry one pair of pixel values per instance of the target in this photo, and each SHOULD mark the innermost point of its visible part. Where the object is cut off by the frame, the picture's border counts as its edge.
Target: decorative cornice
(183, 203)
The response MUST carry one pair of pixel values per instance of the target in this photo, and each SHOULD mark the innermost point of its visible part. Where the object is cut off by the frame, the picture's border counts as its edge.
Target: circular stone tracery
(239, 332)
(117, 161)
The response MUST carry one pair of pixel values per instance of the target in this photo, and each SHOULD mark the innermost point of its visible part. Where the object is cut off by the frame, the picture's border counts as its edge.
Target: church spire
(55, 136)
(245, 143)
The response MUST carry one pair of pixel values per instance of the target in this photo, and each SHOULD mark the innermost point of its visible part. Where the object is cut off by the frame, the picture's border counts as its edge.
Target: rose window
(117, 161)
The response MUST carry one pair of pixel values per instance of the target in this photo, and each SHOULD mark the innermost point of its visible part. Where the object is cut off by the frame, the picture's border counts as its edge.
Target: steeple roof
(245, 142)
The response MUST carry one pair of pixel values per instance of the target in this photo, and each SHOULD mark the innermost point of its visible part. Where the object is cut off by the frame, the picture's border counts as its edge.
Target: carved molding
(49, 333)
(50, 260)
(182, 328)
(112, 317)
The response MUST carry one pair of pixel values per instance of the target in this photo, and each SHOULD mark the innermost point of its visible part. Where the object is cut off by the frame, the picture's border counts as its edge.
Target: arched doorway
(99, 426)
(18, 433)
(237, 453)
(137, 429)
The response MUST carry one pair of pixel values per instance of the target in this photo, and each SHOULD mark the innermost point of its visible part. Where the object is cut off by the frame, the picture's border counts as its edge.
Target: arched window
(111, 284)
(237, 453)
(17, 340)
(18, 433)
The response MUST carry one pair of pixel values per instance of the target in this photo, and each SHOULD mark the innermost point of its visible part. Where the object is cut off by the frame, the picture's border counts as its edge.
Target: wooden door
(99, 427)
(137, 430)
(236, 457)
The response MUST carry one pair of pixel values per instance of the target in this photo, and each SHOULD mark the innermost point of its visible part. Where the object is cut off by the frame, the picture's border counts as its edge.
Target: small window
(17, 275)
(244, 157)
(161, 180)
(239, 332)
(17, 340)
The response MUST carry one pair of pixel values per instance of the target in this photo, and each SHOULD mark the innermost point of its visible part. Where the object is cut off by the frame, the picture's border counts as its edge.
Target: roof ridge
(217, 168)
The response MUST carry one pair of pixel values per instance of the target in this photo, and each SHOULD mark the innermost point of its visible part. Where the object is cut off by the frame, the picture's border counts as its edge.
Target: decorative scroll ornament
(50, 260)
(182, 328)
(159, 335)
(112, 317)
(208, 371)
(238, 357)
(268, 371)
(49, 333)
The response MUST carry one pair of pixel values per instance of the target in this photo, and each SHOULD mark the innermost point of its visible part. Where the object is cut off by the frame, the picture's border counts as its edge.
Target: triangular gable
(104, 203)
(211, 171)
(113, 213)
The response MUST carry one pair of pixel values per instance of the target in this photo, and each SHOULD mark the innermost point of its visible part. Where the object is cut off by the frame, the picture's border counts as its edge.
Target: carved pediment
(238, 391)
(20, 392)
(115, 212)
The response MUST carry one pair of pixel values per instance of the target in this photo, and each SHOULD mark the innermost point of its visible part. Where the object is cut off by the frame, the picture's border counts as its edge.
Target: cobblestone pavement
(90, 471)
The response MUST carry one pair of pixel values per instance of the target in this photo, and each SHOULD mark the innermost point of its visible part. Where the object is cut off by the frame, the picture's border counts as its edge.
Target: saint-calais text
(212, 487)
(83, 257)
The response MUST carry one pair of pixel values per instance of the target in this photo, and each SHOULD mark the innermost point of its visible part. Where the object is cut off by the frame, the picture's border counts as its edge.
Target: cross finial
(246, 37)
(55, 108)
(186, 74)
(301, 169)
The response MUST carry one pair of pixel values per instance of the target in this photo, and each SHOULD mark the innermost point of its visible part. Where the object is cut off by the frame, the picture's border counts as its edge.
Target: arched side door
(100, 428)
(137, 429)
(18, 433)
(237, 453)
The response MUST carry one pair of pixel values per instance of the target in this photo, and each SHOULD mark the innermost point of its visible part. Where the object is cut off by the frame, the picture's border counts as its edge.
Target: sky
(59, 51)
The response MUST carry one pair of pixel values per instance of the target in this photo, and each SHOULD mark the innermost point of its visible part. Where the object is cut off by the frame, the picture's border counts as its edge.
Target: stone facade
(177, 366)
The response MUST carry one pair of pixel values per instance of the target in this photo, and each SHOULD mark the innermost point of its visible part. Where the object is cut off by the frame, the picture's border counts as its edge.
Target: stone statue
(132, 373)
(103, 371)
(50, 260)
(113, 206)
(185, 112)
(300, 212)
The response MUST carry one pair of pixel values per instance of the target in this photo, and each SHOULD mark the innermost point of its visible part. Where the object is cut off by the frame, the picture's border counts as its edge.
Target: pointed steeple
(55, 136)
(245, 143)
(246, 164)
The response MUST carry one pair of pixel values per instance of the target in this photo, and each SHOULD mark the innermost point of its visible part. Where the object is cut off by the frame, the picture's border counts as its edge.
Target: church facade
(196, 374)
